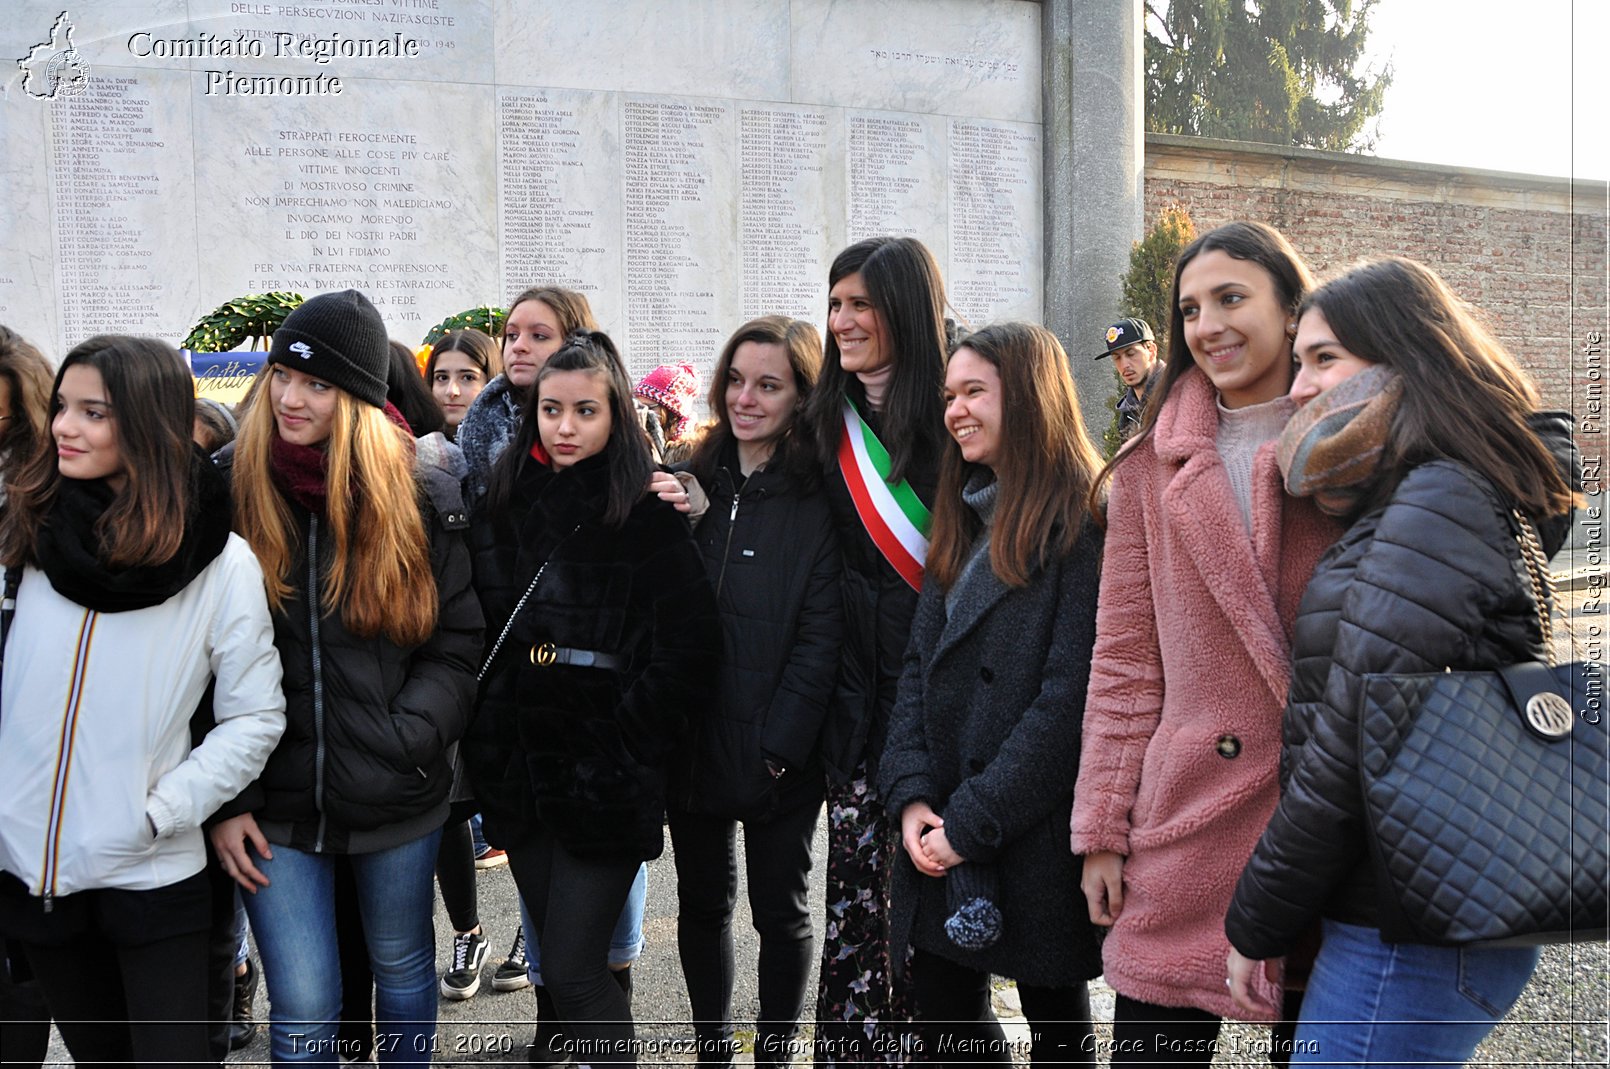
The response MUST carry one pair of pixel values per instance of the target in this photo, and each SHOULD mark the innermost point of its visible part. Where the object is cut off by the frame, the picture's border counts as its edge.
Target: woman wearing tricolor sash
(878, 422)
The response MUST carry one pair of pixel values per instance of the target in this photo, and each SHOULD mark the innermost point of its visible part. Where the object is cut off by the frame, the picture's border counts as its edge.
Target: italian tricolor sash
(892, 513)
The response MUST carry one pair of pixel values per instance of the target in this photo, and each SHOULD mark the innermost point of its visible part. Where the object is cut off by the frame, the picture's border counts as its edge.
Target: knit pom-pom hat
(340, 338)
(676, 386)
(970, 892)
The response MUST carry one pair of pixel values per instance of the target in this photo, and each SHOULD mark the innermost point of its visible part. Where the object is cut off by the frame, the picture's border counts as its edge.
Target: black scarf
(69, 546)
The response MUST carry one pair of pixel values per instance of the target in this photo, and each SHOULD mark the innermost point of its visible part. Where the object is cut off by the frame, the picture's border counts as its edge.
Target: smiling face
(761, 395)
(1235, 327)
(303, 406)
(1322, 361)
(530, 336)
(85, 428)
(573, 416)
(455, 381)
(858, 327)
(973, 407)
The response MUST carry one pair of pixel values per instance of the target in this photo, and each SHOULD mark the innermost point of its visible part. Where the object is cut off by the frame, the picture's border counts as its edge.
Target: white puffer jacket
(95, 746)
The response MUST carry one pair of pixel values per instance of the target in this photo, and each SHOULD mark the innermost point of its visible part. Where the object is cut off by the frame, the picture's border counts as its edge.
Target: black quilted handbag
(1487, 797)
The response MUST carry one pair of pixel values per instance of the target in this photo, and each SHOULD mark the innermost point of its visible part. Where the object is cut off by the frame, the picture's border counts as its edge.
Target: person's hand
(916, 820)
(229, 839)
(936, 847)
(1103, 885)
(1241, 970)
(666, 486)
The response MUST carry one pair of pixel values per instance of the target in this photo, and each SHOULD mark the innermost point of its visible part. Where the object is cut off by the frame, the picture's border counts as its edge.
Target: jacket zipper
(313, 601)
(726, 551)
(64, 759)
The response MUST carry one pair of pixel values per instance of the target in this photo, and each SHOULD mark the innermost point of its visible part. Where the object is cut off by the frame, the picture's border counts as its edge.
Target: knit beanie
(340, 338)
(676, 386)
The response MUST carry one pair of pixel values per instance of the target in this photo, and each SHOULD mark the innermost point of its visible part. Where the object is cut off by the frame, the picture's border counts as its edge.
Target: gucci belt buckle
(544, 654)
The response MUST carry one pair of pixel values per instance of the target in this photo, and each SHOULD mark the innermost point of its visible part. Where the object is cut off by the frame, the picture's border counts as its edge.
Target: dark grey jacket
(986, 729)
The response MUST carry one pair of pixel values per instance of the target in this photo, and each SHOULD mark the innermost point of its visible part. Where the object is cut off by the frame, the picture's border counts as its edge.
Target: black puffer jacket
(878, 607)
(1432, 579)
(772, 553)
(363, 762)
(586, 750)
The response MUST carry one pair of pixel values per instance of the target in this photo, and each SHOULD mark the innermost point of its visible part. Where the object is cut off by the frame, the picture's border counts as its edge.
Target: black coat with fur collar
(585, 751)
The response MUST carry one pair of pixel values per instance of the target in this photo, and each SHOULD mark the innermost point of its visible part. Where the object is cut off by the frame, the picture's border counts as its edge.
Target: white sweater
(95, 727)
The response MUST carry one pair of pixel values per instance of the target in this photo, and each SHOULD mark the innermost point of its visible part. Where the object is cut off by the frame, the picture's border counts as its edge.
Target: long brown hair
(28, 374)
(902, 278)
(149, 391)
(1046, 469)
(1253, 242)
(803, 347)
(379, 578)
(1464, 396)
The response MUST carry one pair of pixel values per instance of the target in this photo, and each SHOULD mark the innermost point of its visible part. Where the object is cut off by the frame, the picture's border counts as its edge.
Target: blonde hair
(379, 577)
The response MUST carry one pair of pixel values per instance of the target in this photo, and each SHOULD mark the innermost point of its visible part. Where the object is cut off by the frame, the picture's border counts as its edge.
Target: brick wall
(1528, 251)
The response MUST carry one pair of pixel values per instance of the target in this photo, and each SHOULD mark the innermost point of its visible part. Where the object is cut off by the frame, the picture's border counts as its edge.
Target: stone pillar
(1093, 114)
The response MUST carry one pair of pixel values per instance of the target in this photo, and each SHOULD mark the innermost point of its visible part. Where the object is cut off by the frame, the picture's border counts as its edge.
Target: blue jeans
(1388, 1004)
(625, 944)
(293, 920)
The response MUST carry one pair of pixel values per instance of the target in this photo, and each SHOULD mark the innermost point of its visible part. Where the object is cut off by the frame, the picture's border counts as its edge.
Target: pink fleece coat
(1179, 768)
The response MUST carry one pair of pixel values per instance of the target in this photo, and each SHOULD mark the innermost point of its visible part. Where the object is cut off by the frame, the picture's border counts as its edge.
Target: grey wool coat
(986, 730)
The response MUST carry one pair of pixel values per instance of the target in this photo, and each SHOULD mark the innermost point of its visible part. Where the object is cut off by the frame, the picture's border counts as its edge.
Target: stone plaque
(688, 166)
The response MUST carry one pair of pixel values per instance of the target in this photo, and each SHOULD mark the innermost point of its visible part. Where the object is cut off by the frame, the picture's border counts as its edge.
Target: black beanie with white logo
(340, 338)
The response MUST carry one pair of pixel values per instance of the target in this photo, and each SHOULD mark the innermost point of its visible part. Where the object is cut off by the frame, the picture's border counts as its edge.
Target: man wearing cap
(1134, 357)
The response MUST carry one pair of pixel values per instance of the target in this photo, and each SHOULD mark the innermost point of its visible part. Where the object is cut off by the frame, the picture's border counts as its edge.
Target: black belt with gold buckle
(546, 655)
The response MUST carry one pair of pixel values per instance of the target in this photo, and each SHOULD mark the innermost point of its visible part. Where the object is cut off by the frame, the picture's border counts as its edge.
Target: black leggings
(956, 1024)
(145, 1003)
(574, 904)
(455, 874)
(1144, 1034)
(777, 861)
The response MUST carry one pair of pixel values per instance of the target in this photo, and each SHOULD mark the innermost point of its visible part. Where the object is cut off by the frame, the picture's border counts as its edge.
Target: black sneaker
(463, 980)
(242, 1027)
(511, 975)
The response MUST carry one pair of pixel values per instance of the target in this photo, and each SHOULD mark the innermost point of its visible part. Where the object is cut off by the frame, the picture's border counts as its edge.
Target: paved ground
(1562, 1018)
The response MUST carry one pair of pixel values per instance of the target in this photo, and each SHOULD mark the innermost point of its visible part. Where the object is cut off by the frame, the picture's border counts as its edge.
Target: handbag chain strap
(515, 615)
(1543, 591)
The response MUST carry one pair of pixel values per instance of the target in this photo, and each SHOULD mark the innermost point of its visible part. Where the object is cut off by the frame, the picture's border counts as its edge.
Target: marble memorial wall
(687, 165)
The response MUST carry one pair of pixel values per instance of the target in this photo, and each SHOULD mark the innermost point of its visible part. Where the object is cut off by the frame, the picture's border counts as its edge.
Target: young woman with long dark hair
(134, 602)
(754, 754)
(1419, 428)
(984, 742)
(878, 423)
(602, 644)
(368, 576)
(1205, 561)
(461, 364)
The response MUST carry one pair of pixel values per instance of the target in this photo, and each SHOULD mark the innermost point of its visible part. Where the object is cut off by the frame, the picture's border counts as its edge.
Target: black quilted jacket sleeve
(1431, 580)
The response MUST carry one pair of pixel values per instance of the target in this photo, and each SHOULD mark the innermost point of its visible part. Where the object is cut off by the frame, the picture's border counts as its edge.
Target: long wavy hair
(902, 278)
(379, 576)
(149, 392)
(627, 450)
(1253, 242)
(1045, 471)
(793, 452)
(28, 374)
(1464, 396)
